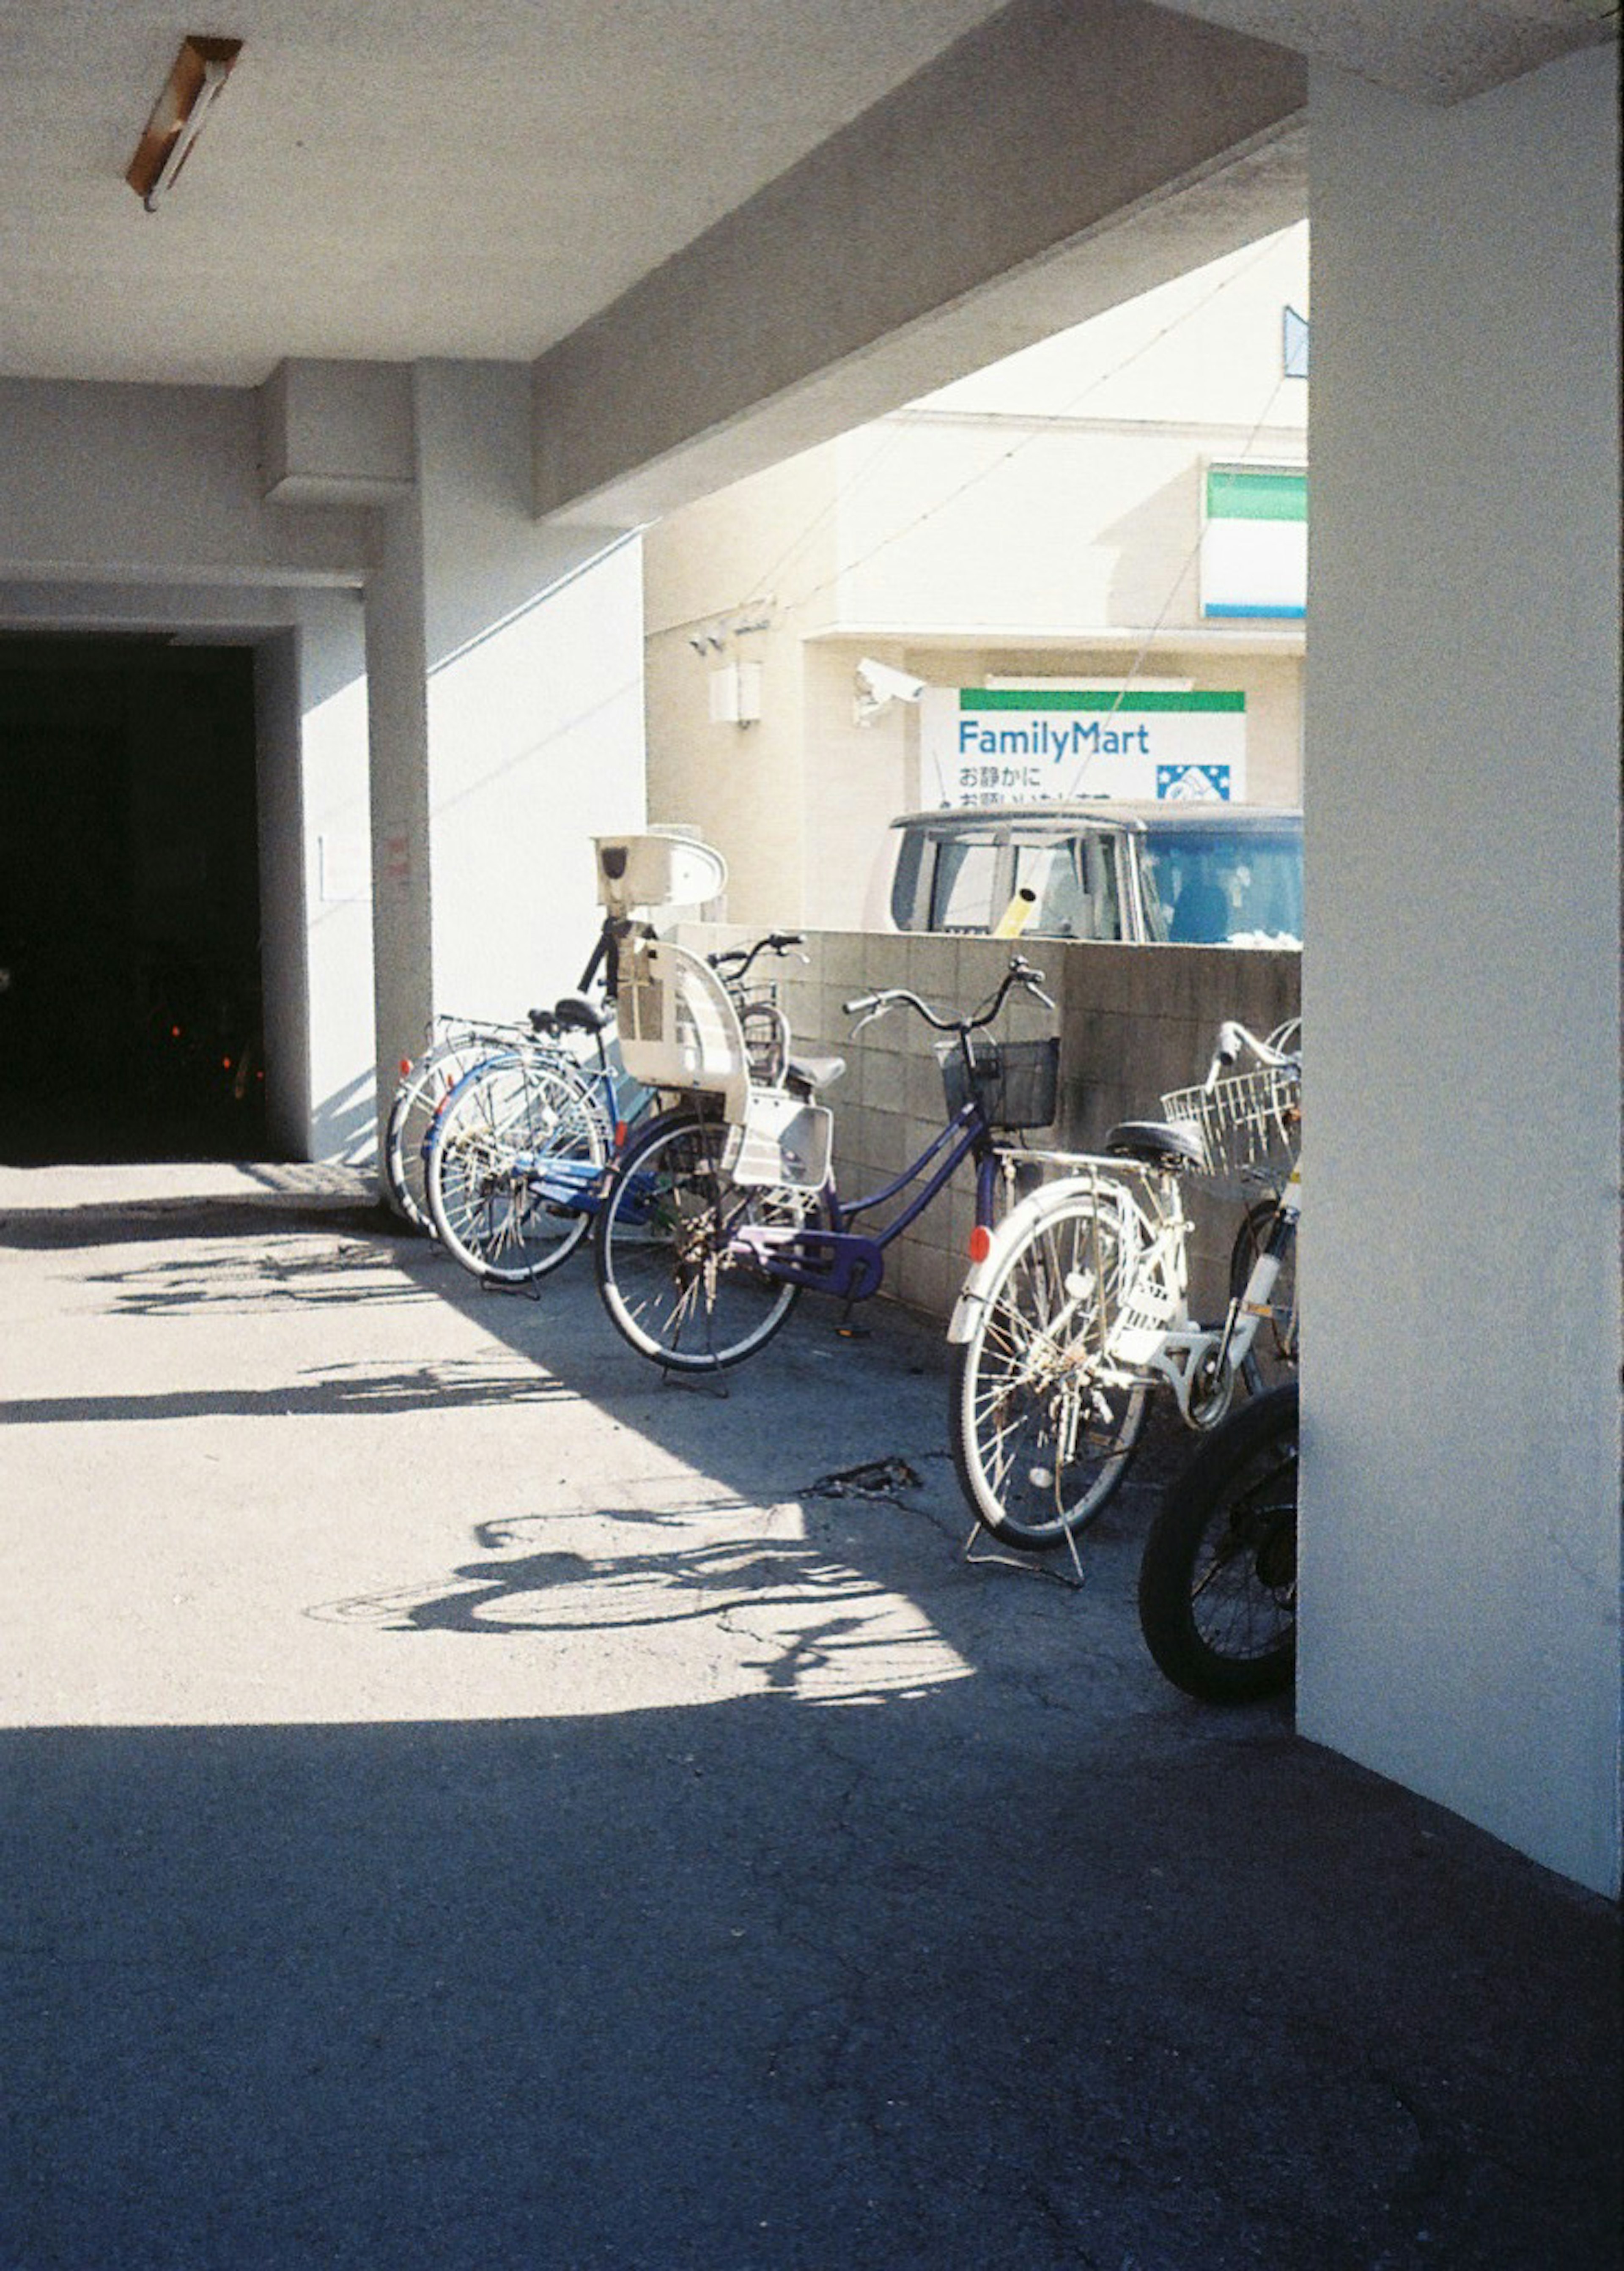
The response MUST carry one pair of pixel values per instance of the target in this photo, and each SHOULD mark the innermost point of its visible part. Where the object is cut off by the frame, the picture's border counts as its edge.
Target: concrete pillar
(532, 700)
(1460, 1258)
(398, 737)
(505, 676)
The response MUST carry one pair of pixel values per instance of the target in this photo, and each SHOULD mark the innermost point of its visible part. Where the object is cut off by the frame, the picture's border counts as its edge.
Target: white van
(1180, 875)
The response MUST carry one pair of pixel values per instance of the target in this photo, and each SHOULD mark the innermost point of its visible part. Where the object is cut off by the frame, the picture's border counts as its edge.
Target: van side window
(1049, 872)
(964, 886)
(909, 909)
(1074, 882)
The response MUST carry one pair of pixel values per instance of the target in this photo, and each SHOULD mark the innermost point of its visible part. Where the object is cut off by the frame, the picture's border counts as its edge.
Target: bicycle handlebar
(867, 1007)
(776, 942)
(1234, 1041)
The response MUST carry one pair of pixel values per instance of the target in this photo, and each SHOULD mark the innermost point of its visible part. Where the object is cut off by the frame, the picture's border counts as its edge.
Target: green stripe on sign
(1050, 697)
(1232, 495)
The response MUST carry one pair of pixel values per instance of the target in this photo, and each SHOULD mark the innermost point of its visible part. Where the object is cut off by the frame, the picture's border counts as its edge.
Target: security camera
(880, 683)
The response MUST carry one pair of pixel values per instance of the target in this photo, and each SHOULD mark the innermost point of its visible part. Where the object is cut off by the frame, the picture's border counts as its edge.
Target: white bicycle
(1080, 1306)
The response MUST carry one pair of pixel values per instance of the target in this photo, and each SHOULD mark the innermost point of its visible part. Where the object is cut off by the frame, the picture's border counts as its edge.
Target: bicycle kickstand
(1027, 1564)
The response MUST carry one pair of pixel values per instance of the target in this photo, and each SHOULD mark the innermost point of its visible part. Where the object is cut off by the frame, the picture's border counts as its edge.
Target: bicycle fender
(1036, 1208)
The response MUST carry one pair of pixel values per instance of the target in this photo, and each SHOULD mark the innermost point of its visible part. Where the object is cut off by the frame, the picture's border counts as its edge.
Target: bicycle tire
(421, 1091)
(1040, 1443)
(509, 1120)
(674, 1286)
(1271, 1360)
(1217, 1582)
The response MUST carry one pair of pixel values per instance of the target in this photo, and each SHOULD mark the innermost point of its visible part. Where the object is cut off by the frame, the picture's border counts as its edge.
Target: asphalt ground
(469, 1803)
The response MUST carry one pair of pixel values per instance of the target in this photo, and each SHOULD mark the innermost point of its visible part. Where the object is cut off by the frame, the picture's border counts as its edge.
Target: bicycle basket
(1017, 1081)
(1249, 1119)
(782, 1143)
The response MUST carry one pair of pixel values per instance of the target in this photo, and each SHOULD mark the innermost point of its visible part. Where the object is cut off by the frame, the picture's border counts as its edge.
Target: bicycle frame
(578, 1184)
(572, 1183)
(1191, 1358)
(834, 1258)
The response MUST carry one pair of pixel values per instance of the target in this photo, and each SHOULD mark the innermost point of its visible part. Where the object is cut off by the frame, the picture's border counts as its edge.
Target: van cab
(1176, 873)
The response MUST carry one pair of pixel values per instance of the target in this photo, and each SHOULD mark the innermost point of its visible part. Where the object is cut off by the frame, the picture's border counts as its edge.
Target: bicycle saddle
(575, 1013)
(805, 1075)
(1161, 1143)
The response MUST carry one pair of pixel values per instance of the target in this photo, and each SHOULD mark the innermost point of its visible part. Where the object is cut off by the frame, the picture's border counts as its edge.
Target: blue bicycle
(518, 1158)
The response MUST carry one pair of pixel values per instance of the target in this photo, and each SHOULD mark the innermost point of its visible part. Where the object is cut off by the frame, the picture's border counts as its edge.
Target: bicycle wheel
(515, 1163)
(673, 1276)
(1042, 1436)
(1271, 1360)
(419, 1094)
(1217, 1585)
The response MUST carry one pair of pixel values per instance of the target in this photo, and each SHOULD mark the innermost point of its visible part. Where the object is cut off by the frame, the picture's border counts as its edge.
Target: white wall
(153, 484)
(335, 902)
(534, 649)
(1460, 1263)
(1042, 518)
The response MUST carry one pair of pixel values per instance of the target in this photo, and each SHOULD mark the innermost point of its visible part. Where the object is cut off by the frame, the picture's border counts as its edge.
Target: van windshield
(1219, 886)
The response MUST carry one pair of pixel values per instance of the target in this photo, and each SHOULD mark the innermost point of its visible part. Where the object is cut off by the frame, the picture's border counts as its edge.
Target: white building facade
(1123, 508)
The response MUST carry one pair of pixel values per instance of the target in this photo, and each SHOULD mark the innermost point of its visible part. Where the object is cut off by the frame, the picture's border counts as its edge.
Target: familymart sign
(1024, 746)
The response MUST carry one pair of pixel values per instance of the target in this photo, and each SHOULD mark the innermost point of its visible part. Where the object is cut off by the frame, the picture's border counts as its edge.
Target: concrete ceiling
(477, 179)
(1437, 50)
(413, 179)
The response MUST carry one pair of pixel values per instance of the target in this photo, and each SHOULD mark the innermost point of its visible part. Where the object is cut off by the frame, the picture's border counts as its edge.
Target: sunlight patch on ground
(740, 1592)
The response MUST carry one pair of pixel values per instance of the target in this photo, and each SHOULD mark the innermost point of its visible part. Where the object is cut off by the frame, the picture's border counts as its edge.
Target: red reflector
(980, 1242)
(620, 1135)
(405, 1067)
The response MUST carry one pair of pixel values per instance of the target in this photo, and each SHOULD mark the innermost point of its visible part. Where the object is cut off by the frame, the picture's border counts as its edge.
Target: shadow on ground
(759, 1986)
(1015, 1959)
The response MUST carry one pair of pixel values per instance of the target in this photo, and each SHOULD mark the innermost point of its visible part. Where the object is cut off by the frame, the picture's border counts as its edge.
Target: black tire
(505, 1123)
(1040, 1441)
(1217, 1583)
(1271, 1360)
(672, 1279)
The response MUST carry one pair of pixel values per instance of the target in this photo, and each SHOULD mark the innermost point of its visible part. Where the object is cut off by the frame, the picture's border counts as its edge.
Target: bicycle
(513, 1145)
(519, 1155)
(517, 1152)
(726, 1210)
(1217, 1583)
(451, 1047)
(1079, 1307)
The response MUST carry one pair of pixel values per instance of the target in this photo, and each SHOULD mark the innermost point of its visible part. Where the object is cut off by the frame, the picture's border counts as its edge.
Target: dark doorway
(129, 1021)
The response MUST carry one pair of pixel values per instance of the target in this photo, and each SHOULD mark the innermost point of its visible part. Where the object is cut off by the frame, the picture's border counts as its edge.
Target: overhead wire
(1037, 425)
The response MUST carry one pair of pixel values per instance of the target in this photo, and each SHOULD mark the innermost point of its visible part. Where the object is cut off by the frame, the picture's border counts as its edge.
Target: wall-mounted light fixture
(199, 72)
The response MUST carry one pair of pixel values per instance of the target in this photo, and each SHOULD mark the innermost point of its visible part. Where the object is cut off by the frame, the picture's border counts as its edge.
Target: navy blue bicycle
(703, 1245)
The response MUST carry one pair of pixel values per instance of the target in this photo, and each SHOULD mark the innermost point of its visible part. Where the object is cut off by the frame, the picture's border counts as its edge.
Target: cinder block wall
(1134, 1022)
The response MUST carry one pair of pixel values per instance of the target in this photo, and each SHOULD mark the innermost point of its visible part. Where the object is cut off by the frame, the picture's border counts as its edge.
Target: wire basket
(1249, 1119)
(1016, 1081)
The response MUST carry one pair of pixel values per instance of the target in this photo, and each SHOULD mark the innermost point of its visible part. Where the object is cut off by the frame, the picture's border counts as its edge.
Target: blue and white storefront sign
(1029, 745)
